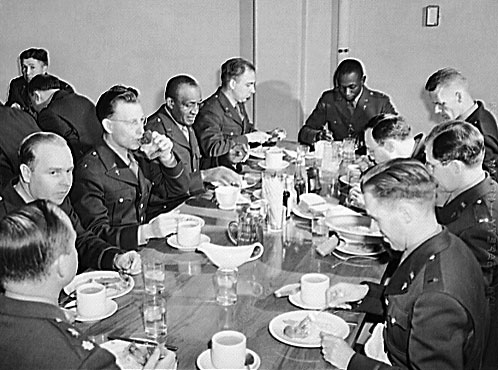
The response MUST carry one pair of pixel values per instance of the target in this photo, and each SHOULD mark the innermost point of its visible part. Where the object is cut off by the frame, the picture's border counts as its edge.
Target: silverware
(142, 341)
(345, 259)
(249, 360)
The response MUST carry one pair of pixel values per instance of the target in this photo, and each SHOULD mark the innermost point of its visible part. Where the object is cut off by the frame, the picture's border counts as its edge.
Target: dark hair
(234, 68)
(456, 140)
(443, 77)
(38, 54)
(399, 179)
(348, 66)
(31, 239)
(26, 152)
(174, 84)
(108, 100)
(388, 126)
(43, 82)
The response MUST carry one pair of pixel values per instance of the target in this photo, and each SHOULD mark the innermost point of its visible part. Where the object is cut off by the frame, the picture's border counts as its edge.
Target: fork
(344, 259)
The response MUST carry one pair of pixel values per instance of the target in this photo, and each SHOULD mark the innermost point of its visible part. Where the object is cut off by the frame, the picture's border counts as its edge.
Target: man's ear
(25, 173)
(45, 69)
(232, 83)
(363, 79)
(458, 95)
(170, 103)
(107, 125)
(389, 146)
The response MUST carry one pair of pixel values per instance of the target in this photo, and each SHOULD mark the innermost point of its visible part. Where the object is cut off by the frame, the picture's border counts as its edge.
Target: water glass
(348, 148)
(273, 187)
(154, 314)
(319, 230)
(225, 286)
(154, 274)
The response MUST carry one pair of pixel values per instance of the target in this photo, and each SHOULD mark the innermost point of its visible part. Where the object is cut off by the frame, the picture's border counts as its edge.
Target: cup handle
(232, 230)
(261, 250)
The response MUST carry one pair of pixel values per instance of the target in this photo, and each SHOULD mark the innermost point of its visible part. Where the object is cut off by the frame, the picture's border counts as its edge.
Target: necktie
(133, 165)
(240, 111)
(351, 107)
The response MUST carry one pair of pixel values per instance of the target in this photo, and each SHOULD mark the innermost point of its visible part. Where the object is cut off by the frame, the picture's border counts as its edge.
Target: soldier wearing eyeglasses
(113, 181)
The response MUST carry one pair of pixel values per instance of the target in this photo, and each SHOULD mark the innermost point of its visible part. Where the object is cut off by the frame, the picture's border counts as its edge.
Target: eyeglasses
(430, 166)
(134, 123)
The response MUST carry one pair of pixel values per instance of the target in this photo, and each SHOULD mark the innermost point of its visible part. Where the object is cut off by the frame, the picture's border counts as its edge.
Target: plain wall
(96, 44)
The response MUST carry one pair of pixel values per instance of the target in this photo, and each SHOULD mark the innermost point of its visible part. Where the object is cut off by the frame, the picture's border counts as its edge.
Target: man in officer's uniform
(455, 153)
(347, 108)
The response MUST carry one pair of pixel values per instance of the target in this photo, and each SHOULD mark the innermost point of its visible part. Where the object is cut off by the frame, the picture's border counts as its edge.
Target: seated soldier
(175, 119)
(345, 109)
(455, 154)
(46, 167)
(434, 305)
(37, 260)
(113, 182)
(222, 125)
(33, 62)
(15, 125)
(65, 113)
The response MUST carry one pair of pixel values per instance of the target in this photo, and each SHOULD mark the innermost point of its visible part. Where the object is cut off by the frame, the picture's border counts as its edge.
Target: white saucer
(296, 300)
(227, 209)
(111, 308)
(173, 242)
(204, 360)
(284, 165)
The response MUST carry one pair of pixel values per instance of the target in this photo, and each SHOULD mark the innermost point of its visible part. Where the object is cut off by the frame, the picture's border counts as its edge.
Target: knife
(142, 341)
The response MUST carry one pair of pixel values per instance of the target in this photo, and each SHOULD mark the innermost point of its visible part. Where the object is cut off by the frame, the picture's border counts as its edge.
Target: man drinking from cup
(37, 259)
(113, 181)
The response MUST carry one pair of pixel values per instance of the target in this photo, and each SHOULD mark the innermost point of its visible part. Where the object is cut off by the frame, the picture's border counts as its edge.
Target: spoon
(249, 360)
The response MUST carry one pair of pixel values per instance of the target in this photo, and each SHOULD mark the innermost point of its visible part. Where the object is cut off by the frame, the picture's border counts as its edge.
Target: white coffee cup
(313, 289)
(228, 350)
(188, 233)
(91, 299)
(273, 158)
(227, 196)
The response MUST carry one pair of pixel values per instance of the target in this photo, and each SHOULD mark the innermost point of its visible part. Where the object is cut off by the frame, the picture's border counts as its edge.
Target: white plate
(258, 152)
(111, 308)
(173, 242)
(119, 348)
(284, 165)
(242, 199)
(360, 249)
(291, 153)
(112, 290)
(257, 194)
(204, 360)
(175, 217)
(277, 325)
(296, 300)
(334, 209)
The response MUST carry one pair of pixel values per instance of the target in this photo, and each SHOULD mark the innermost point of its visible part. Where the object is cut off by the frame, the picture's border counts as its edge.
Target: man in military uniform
(46, 166)
(65, 113)
(15, 125)
(113, 182)
(449, 92)
(175, 119)
(33, 62)
(346, 108)
(222, 125)
(37, 259)
(455, 153)
(434, 304)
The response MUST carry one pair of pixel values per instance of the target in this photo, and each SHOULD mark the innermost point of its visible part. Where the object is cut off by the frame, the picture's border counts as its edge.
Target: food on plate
(300, 329)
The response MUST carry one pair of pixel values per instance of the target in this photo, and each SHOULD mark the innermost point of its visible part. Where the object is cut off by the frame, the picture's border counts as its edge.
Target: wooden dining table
(193, 315)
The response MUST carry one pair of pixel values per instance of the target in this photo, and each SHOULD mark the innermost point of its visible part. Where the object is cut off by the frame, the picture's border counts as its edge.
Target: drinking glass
(154, 274)
(225, 286)
(154, 314)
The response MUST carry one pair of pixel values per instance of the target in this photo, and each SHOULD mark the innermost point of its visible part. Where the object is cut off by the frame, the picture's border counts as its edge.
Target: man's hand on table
(129, 262)
(158, 227)
(222, 175)
(238, 153)
(340, 294)
(257, 137)
(336, 351)
(167, 362)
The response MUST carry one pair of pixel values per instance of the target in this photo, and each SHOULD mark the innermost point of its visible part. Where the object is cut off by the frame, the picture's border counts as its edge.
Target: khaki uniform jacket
(37, 335)
(434, 307)
(332, 109)
(188, 152)
(112, 202)
(218, 127)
